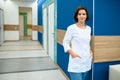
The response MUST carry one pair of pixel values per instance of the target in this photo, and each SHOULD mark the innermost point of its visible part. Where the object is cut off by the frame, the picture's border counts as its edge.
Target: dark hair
(76, 13)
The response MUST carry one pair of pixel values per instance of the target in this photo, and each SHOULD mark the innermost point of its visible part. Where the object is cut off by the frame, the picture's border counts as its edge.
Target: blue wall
(107, 22)
(40, 36)
(62, 58)
(107, 17)
(40, 2)
(65, 17)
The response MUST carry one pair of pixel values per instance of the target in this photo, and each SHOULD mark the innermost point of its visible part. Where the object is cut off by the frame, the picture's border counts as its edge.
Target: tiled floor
(27, 49)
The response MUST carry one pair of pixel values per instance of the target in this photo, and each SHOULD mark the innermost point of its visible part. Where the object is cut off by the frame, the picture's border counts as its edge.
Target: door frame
(25, 22)
(45, 5)
(45, 30)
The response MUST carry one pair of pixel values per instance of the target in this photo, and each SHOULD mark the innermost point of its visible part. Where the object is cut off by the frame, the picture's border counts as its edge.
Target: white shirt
(78, 40)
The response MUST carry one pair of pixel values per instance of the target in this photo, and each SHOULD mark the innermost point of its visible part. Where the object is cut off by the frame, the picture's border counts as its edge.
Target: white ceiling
(25, 0)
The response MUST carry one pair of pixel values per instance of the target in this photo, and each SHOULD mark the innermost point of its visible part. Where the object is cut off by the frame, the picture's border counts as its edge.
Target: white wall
(11, 15)
(1, 4)
(11, 35)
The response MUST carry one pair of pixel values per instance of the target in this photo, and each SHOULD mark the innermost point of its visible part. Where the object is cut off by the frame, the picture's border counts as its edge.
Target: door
(45, 37)
(51, 33)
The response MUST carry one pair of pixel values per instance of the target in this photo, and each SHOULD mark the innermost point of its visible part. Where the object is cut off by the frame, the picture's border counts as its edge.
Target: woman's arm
(67, 41)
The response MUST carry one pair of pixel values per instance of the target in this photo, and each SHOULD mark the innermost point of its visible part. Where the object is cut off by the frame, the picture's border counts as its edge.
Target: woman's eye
(84, 14)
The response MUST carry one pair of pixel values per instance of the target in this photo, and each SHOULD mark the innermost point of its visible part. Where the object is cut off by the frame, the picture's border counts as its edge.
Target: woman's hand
(73, 54)
(91, 53)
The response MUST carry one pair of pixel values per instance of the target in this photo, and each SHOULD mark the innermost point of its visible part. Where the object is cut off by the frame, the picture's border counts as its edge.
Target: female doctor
(77, 43)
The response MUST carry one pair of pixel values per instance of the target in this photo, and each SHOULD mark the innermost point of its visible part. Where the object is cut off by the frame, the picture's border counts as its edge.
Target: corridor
(26, 60)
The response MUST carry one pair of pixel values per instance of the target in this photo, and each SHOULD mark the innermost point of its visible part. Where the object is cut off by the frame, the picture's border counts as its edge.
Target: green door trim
(25, 22)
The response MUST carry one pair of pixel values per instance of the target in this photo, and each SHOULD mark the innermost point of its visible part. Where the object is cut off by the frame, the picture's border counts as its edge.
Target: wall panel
(106, 48)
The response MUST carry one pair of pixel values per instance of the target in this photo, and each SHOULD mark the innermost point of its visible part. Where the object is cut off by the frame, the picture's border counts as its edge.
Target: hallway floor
(26, 60)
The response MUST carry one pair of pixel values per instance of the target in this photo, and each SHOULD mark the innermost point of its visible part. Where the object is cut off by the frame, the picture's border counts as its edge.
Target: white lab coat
(78, 40)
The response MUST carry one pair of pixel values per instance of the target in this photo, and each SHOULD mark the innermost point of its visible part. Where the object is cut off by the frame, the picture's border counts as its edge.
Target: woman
(77, 43)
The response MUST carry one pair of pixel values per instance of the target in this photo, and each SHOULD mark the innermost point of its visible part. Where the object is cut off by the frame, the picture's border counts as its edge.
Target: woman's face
(82, 16)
